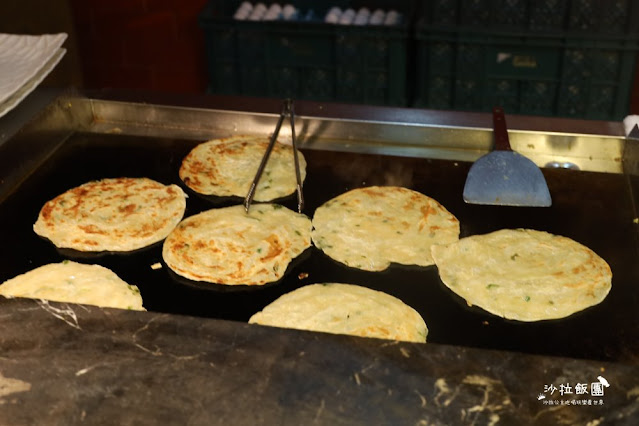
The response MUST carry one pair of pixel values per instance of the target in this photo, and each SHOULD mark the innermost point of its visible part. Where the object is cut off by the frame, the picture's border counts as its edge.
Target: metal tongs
(287, 110)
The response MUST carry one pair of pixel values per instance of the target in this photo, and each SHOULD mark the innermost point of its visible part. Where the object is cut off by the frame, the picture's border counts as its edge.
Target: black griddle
(592, 208)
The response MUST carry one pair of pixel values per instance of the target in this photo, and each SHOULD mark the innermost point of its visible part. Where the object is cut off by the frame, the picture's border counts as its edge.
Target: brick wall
(141, 44)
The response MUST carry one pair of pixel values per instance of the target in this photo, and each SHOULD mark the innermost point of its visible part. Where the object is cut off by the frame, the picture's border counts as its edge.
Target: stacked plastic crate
(571, 58)
(300, 50)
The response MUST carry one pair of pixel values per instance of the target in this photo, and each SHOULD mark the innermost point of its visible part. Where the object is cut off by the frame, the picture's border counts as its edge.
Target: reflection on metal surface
(562, 165)
(74, 113)
(587, 152)
(33, 144)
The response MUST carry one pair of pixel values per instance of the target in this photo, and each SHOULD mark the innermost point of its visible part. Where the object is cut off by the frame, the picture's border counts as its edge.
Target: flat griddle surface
(592, 208)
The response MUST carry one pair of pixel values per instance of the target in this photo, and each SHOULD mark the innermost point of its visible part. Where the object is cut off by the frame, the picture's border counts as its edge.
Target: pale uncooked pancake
(120, 214)
(229, 246)
(74, 283)
(368, 228)
(344, 309)
(524, 274)
(227, 167)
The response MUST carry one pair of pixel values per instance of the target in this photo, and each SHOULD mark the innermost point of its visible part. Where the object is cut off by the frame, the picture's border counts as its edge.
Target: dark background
(152, 45)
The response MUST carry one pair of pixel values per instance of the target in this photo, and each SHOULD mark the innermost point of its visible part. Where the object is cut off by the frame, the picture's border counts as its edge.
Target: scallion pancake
(74, 283)
(524, 274)
(227, 167)
(120, 214)
(344, 309)
(369, 228)
(230, 246)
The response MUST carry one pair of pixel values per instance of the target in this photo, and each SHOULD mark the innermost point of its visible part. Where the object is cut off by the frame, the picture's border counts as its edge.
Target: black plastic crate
(307, 58)
(560, 72)
(617, 17)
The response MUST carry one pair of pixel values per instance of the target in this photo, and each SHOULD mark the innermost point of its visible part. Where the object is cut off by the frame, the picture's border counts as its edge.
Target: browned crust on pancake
(226, 167)
(118, 214)
(228, 246)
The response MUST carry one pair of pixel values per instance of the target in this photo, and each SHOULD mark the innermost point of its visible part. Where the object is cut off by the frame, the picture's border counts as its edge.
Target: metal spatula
(505, 177)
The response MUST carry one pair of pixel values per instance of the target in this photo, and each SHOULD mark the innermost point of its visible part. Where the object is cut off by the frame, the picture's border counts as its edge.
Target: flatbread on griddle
(227, 167)
(523, 274)
(120, 214)
(229, 246)
(368, 228)
(344, 309)
(74, 283)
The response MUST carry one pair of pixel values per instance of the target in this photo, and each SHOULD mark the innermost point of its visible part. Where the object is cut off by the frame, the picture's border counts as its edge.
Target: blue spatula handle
(500, 130)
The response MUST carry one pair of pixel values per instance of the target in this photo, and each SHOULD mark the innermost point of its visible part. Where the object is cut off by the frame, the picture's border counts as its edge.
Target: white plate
(28, 87)
(23, 61)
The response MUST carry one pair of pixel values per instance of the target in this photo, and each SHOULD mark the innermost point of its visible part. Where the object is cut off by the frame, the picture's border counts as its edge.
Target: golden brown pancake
(229, 246)
(227, 167)
(120, 214)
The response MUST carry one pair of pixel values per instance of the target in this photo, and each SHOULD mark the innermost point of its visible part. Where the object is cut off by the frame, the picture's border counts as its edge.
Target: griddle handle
(502, 142)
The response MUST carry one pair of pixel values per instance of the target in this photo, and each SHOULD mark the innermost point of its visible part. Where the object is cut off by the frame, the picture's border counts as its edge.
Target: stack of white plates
(25, 60)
